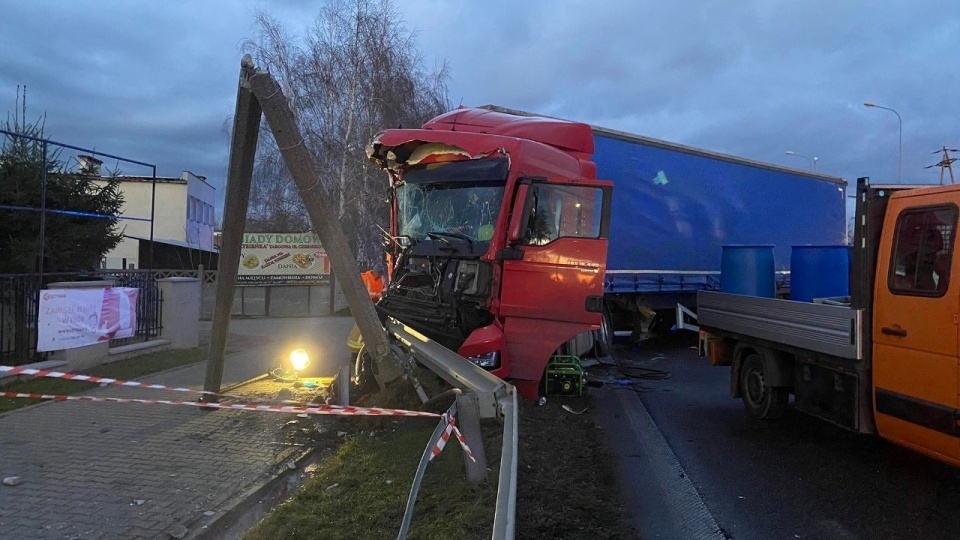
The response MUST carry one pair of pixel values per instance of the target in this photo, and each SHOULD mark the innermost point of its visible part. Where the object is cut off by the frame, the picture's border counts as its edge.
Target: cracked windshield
(460, 199)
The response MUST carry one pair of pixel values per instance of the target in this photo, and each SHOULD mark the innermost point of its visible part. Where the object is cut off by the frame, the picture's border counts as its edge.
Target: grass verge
(131, 368)
(565, 489)
(362, 491)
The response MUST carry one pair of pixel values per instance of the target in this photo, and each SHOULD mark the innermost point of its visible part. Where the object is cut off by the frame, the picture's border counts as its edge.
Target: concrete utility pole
(243, 148)
(282, 123)
(258, 94)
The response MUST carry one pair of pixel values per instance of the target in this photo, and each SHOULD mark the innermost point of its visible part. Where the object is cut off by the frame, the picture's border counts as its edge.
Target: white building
(182, 208)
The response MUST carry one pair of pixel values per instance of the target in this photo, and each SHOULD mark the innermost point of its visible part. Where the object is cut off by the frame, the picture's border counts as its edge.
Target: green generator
(563, 376)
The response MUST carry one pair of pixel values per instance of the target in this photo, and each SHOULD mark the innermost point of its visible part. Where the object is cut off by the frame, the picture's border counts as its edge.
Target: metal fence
(20, 293)
(18, 319)
(19, 302)
(149, 303)
(89, 160)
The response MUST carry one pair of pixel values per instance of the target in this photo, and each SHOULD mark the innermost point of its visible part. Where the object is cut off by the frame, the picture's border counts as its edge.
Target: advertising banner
(282, 259)
(70, 318)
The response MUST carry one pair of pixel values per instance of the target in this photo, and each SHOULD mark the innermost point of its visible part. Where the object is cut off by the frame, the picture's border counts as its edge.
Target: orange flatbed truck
(883, 360)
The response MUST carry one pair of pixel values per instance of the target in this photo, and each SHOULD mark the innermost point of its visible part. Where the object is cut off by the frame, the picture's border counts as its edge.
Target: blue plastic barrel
(748, 270)
(819, 272)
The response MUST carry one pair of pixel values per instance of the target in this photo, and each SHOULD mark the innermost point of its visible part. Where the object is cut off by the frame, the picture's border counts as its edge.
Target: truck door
(915, 327)
(553, 270)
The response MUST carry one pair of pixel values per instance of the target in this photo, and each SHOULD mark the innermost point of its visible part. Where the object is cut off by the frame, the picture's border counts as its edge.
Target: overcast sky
(156, 81)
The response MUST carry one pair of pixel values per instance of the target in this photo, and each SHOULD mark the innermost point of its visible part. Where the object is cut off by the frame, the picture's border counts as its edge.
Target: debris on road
(177, 532)
(569, 409)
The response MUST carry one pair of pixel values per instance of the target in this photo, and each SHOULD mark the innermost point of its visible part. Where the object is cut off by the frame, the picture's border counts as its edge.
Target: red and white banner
(70, 318)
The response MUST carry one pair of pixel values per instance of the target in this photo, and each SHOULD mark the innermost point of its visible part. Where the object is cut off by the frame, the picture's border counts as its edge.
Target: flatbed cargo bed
(829, 329)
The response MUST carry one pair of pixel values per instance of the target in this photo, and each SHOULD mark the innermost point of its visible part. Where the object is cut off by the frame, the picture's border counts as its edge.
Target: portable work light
(299, 359)
(295, 362)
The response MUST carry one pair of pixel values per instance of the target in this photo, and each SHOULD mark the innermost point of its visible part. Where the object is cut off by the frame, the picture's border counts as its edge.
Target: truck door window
(559, 211)
(923, 249)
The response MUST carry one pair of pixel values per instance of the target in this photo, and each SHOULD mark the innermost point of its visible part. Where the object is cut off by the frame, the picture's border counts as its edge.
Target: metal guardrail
(497, 399)
(505, 518)
(451, 367)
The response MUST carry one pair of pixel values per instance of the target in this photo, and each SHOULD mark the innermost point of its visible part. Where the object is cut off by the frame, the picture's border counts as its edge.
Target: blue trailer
(675, 206)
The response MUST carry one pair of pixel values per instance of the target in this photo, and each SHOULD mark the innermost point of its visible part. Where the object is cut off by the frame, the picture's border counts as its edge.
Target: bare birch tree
(356, 71)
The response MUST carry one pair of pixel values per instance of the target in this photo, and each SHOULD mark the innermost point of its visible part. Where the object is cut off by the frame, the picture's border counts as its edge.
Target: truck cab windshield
(451, 200)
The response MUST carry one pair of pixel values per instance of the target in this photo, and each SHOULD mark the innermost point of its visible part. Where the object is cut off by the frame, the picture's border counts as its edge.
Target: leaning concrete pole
(243, 147)
(282, 123)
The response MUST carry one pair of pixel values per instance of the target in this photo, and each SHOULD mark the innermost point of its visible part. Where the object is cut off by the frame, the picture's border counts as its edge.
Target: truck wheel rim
(756, 387)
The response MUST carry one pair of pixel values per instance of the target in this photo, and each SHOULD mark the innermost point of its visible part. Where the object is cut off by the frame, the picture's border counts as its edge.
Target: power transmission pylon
(945, 163)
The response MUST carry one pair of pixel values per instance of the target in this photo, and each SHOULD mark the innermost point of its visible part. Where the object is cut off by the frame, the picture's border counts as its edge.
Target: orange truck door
(915, 324)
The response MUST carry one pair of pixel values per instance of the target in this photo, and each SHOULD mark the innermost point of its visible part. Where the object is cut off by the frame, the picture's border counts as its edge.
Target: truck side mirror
(518, 212)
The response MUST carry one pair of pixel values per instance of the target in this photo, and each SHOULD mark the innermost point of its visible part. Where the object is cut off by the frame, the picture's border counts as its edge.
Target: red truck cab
(498, 236)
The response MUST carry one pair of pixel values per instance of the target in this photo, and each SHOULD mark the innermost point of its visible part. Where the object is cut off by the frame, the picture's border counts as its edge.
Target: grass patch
(364, 505)
(129, 369)
(566, 485)
(362, 493)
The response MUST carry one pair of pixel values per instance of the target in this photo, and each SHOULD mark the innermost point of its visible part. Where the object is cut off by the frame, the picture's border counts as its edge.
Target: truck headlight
(489, 360)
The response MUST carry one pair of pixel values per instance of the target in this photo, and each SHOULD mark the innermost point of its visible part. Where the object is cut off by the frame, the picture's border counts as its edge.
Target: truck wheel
(761, 400)
(604, 336)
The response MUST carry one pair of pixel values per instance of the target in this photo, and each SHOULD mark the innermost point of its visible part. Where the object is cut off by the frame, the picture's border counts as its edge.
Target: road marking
(683, 501)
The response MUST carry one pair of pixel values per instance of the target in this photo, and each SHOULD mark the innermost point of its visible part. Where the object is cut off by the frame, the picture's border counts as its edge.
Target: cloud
(157, 81)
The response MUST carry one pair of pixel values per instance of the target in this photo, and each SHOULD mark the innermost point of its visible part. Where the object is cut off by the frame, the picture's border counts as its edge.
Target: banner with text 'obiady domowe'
(282, 259)
(70, 318)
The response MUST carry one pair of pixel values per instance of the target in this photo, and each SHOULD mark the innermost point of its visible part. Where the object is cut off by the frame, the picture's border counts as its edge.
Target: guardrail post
(343, 382)
(468, 420)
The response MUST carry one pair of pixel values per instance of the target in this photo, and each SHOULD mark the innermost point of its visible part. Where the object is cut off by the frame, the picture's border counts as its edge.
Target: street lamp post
(813, 162)
(900, 133)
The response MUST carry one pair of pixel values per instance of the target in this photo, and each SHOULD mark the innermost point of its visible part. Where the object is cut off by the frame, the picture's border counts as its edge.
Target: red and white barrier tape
(463, 443)
(325, 409)
(12, 370)
(445, 436)
(337, 410)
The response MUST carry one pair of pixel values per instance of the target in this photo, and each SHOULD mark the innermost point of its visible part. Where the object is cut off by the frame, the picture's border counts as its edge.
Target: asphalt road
(797, 477)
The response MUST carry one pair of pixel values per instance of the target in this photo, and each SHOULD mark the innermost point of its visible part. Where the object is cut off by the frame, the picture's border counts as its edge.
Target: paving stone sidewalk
(119, 471)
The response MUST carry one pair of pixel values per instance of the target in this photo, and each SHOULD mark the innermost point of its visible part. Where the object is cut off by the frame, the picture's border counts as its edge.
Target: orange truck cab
(498, 240)
(884, 360)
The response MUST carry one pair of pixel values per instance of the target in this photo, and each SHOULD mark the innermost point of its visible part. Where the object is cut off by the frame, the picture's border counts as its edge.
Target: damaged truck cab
(498, 241)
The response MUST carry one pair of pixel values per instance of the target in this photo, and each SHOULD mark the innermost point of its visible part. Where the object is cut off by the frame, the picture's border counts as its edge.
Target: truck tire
(604, 336)
(761, 400)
